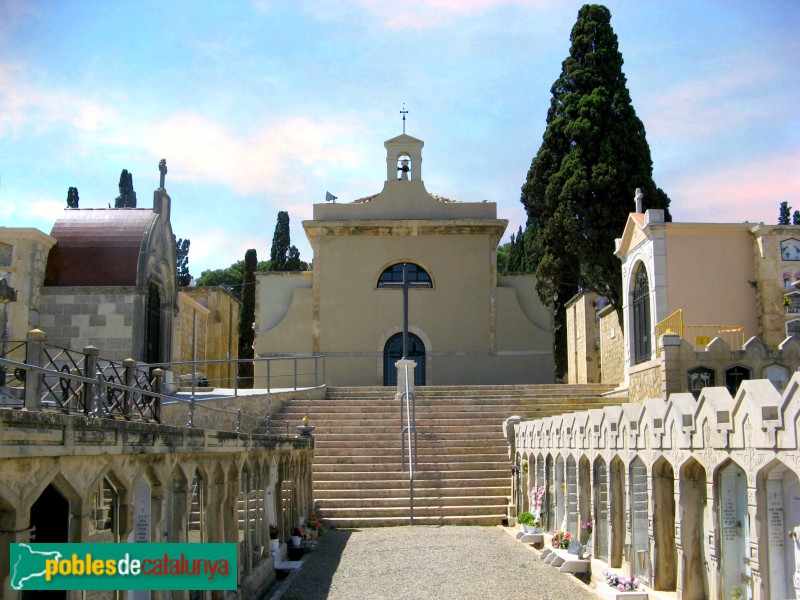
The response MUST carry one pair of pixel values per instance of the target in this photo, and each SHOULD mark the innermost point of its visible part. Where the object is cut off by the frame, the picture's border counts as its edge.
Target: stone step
(429, 456)
(419, 511)
(398, 480)
(328, 505)
(465, 430)
(383, 521)
(402, 492)
(388, 464)
(357, 444)
(366, 477)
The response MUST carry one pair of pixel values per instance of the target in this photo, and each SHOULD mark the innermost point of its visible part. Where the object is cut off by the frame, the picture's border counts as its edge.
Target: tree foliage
(278, 254)
(283, 256)
(184, 278)
(127, 197)
(580, 186)
(230, 277)
(796, 217)
(247, 319)
(72, 197)
(785, 212)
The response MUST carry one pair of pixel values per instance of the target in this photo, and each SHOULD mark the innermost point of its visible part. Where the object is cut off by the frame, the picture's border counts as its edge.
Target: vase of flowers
(274, 542)
(561, 539)
(537, 499)
(297, 536)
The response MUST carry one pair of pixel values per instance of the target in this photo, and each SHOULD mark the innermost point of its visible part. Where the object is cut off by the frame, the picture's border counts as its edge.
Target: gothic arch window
(641, 317)
(393, 276)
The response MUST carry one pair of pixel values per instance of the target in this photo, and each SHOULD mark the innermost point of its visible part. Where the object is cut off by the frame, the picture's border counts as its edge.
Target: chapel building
(467, 323)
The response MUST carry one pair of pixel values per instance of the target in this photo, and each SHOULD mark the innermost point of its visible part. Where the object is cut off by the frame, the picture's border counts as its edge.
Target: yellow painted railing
(700, 335)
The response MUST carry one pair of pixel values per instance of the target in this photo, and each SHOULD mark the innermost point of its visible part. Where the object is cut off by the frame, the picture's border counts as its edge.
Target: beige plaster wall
(702, 257)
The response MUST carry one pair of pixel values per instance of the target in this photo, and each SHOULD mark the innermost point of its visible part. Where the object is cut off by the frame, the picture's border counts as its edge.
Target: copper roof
(97, 246)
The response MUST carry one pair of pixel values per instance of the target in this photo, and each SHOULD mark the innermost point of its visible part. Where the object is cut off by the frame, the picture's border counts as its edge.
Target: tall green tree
(184, 278)
(278, 254)
(127, 197)
(581, 183)
(247, 319)
(72, 197)
(796, 217)
(785, 212)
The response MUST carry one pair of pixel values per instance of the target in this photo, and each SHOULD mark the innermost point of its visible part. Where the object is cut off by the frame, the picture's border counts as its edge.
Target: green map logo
(123, 566)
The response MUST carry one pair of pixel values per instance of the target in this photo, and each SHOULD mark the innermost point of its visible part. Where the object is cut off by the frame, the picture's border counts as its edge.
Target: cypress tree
(247, 319)
(796, 217)
(72, 197)
(127, 197)
(279, 252)
(783, 216)
(184, 278)
(581, 183)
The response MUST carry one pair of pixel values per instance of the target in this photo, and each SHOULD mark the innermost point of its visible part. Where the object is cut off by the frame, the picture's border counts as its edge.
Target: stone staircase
(463, 472)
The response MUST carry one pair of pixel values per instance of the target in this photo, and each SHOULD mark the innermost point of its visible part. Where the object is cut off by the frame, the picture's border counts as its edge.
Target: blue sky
(265, 105)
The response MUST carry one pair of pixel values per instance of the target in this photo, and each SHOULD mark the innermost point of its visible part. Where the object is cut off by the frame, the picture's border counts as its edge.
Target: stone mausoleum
(467, 324)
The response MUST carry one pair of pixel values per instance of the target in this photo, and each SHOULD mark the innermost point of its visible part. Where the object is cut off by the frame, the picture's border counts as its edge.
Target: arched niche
(639, 507)
(617, 511)
(601, 508)
(733, 531)
(665, 554)
(692, 493)
(778, 512)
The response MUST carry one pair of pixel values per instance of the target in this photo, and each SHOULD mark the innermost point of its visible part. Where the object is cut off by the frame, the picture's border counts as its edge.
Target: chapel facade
(467, 324)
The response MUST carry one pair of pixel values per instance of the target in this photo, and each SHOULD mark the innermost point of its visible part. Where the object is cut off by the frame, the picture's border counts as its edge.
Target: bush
(526, 518)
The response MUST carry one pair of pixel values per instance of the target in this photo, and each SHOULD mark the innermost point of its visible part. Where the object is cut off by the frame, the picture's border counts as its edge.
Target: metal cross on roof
(404, 112)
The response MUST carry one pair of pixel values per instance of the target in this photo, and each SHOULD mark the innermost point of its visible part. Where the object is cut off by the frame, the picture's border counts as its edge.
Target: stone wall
(692, 496)
(220, 413)
(646, 381)
(222, 338)
(153, 473)
(612, 347)
(75, 317)
(583, 340)
(23, 258)
(184, 348)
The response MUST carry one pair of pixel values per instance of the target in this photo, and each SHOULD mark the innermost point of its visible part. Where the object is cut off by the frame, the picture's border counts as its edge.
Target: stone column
(33, 380)
(671, 379)
(401, 365)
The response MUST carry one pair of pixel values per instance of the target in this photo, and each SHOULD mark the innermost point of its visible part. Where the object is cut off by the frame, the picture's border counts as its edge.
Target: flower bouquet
(561, 539)
(622, 583)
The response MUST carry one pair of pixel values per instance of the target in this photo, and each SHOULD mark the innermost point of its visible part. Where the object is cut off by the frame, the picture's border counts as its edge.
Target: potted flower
(561, 539)
(297, 536)
(274, 542)
(314, 524)
(537, 499)
(527, 520)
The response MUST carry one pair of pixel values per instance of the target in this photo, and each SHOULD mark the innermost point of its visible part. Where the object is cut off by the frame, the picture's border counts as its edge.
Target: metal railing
(69, 392)
(700, 336)
(281, 372)
(409, 431)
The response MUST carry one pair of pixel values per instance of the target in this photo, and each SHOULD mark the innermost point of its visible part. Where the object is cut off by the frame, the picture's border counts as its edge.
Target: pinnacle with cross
(404, 112)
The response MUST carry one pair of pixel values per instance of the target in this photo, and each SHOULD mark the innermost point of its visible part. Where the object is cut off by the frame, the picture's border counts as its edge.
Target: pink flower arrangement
(561, 539)
(537, 500)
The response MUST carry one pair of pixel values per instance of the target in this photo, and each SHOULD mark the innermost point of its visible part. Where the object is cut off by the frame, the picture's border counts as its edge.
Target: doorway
(393, 351)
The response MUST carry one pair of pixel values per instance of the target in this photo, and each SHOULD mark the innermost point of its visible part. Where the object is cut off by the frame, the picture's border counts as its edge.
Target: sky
(266, 105)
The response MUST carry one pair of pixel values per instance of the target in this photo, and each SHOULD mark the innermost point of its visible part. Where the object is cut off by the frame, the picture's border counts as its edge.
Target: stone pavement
(425, 562)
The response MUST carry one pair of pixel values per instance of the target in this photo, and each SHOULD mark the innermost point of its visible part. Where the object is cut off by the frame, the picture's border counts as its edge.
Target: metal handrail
(412, 446)
(699, 335)
(102, 383)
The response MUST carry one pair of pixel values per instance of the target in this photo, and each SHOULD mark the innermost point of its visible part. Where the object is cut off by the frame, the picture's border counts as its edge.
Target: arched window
(641, 317)
(392, 276)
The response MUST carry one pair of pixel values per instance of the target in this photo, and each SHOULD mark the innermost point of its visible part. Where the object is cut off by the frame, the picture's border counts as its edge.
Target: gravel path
(426, 562)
